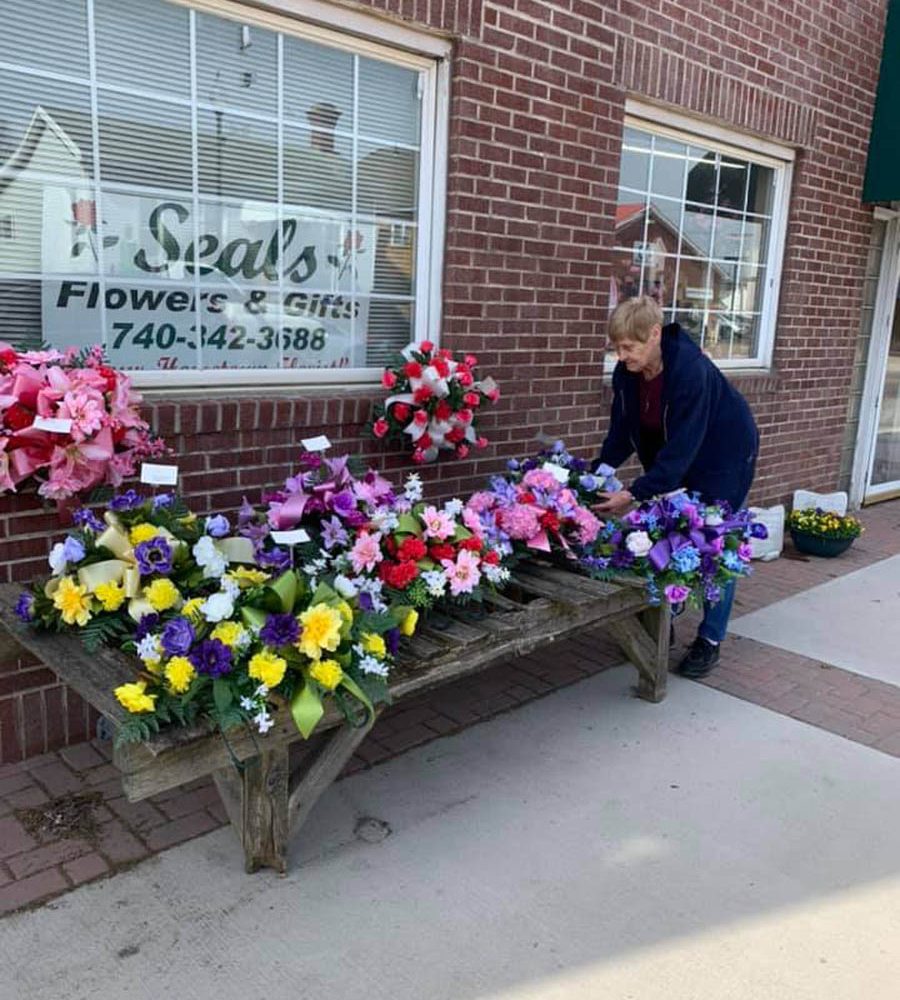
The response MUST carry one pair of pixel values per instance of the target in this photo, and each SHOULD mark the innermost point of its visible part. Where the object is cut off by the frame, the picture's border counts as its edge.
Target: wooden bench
(264, 797)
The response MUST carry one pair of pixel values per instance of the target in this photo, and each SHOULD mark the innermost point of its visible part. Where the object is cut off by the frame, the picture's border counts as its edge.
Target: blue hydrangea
(686, 559)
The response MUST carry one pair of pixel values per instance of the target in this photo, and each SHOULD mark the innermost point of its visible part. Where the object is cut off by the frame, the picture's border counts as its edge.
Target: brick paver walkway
(37, 864)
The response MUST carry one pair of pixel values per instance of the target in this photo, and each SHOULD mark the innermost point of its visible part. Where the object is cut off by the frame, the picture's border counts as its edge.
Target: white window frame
(364, 35)
(685, 128)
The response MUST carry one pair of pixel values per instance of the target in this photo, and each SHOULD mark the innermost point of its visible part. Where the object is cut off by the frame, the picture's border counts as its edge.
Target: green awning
(883, 168)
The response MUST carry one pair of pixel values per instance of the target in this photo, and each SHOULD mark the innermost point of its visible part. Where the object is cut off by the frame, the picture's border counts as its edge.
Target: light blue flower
(218, 526)
(73, 550)
(686, 559)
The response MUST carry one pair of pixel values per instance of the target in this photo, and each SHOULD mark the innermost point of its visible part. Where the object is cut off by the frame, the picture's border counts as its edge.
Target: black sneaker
(699, 659)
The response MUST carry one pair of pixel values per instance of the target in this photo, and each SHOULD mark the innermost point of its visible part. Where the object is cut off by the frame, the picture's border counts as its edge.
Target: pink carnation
(481, 501)
(588, 526)
(537, 479)
(520, 521)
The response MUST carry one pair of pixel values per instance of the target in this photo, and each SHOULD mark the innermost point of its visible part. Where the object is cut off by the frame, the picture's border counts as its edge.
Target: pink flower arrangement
(68, 421)
(434, 402)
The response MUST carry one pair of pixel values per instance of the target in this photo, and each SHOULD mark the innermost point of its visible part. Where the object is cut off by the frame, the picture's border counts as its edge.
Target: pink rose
(380, 427)
(388, 379)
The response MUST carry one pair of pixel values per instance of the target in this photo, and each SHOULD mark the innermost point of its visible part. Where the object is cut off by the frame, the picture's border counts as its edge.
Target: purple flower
(365, 601)
(218, 526)
(177, 637)
(676, 593)
(713, 593)
(355, 519)
(125, 501)
(392, 640)
(280, 630)
(277, 559)
(758, 530)
(84, 517)
(163, 500)
(211, 657)
(25, 606)
(154, 556)
(145, 626)
(342, 503)
(334, 533)
(73, 549)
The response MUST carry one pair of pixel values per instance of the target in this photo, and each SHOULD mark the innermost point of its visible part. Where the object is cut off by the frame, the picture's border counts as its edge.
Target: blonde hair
(634, 318)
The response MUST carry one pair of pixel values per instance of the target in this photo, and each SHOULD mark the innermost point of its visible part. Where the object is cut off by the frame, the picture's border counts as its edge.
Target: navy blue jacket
(710, 437)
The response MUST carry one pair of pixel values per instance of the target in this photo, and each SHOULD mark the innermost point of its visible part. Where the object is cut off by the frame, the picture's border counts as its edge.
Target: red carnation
(426, 347)
(399, 575)
(422, 394)
(481, 442)
(412, 548)
(380, 427)
(445, 353)
(471, 399)
(455, 435)
(18, 417)
(465, 378)
(8, 356)
(470, 360)
(388, 379)
(549, 521)
(473, 544)
(400, 412)
(421, 418)
(462, 450)
(412, 369)
(418, 456)
(441, 367)
(391, 545)
(526, 497)
(424, 442)
(111, 376)
(465, 415)
(443, 411)
(491, 557)
(439, 552)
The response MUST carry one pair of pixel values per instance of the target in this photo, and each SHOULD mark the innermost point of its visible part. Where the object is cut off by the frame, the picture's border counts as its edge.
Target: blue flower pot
(815, 545)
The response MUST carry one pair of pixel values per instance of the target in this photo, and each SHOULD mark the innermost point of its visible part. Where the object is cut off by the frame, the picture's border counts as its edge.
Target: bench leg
(256, 801)
(645, 641)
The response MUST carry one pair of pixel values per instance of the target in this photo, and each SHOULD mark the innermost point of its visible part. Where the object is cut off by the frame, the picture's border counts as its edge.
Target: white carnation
(57, 559)
(209, 558)
(345, 586)
(218, 607)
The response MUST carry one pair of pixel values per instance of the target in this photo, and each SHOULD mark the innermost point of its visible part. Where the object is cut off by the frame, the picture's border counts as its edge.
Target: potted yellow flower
(820, 532)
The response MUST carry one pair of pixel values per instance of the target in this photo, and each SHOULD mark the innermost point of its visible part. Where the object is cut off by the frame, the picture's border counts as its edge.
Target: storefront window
(203, 192)
(699, 227)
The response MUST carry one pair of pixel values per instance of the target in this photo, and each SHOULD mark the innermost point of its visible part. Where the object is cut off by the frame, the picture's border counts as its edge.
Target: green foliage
(106, 629)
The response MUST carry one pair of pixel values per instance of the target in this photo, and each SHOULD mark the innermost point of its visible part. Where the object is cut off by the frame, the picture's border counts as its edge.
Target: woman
(690, 428)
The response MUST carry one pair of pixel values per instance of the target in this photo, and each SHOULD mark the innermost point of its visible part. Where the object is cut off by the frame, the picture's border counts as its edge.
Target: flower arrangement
(370, 541)
(586, 482)
(824, 523)
(534, 509)
(217, 636)
(685, 550)
(68, 421)
(434, 402)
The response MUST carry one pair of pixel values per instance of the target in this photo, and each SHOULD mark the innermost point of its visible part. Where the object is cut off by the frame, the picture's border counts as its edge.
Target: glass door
(885, 474)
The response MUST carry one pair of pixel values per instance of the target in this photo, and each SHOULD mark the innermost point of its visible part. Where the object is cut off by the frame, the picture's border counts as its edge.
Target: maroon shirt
(650, 396)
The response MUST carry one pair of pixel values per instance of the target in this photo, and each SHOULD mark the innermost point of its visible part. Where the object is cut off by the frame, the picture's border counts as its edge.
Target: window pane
(696, 231)
(634, 170)
(145, 141)
(52, 38)
(388, 102)
(237, 65)
(733, 176)
(395, 258)
(388, 181)
(702, 177)
(761, 190)
(20, 312)
(318, 86)
(728, 234)
(318, 170)
(736, 288)
(237, 156)
(388, 328)
(45, 126)
(123, 60)
(669, 162)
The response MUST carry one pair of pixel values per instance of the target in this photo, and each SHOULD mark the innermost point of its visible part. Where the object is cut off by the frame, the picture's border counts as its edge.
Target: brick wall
(537, 108)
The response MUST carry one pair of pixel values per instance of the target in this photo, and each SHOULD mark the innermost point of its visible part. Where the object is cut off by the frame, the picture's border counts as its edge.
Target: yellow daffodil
(72, 601)
(373, 644)
(244, 576)
(408, 625)
(133, 697)
(179, 673)
(162, 594)
(267, 668)
(321, 630)
(231, 633)
(111, 595)
(142, 532)
(327, 672)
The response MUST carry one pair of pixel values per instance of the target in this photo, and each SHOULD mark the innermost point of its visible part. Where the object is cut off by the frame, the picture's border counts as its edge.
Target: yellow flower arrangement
(231, 633)
(142, 532)
(162, 594)
(268, 668)
(328, 673)
(824, 523)
(321, 630)
(179, 673)
(408, 625)
(134, 697)
(191, 608)
(373, 644)
(73, 602)
(244, 576)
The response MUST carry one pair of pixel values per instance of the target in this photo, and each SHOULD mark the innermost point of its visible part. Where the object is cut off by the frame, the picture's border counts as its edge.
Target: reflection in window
(693, 227)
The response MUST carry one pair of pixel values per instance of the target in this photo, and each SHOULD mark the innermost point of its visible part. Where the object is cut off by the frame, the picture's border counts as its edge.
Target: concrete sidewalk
(35, 866)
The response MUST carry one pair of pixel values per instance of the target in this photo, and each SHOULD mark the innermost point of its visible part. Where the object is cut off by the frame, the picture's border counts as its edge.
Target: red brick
(82, 756)
(57, 778)
(24, 892)
(48, 856)
(118, 844)
(85, 868)
(13, 838)
(179, 830)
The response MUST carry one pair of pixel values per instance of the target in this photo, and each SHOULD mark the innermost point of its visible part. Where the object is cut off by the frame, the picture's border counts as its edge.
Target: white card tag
(55, 425)
(289, 537)
(320, 443)
(159, 475)
(560, 474)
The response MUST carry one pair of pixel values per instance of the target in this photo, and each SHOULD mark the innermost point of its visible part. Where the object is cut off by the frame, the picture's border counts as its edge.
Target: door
(884, 477)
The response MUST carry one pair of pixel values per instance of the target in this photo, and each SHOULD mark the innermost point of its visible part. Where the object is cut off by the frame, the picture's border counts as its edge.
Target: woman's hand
(615, 503)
